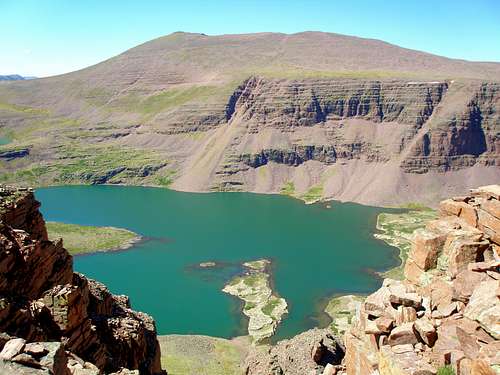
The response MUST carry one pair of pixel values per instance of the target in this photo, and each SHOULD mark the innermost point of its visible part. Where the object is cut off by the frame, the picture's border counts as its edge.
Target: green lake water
(4, 141)
(316, 251)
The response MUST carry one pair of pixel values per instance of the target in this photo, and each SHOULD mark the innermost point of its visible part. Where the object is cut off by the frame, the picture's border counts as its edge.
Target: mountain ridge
(193, 112)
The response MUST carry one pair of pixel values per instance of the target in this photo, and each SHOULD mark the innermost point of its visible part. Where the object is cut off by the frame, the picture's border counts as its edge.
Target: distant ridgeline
(14, 77)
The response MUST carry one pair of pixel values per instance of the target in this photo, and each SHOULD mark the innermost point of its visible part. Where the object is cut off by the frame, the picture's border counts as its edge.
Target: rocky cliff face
(447, 310)
(54, 321)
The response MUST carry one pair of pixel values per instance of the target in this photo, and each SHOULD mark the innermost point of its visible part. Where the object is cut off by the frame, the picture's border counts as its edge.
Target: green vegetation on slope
(288, 188)
(189, 354)
(341, 310)
(82, 239)
(397, 230)
(92, 164)
(314, 194)
(446, 370)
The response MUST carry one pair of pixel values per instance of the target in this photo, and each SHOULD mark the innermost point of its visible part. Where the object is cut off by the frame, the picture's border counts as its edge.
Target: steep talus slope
(54, 321)
(353, 119)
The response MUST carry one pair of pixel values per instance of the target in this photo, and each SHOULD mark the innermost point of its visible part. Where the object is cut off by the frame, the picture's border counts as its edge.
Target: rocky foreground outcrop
(447, 310)
(55, 321)
(316, 351)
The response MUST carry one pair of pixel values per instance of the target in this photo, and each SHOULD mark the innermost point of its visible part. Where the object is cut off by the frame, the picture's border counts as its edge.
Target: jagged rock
(403, 334)
(426, 331)
(427, 245)
(484, 307)
(405, 362)
(465, 283)
(384, 324)
(310, 350)
(405, 315)
(464, 252)
(42, 301)
(454, 268)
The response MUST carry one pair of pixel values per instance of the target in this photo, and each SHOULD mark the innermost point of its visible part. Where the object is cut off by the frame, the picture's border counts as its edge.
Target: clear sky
(47, 37)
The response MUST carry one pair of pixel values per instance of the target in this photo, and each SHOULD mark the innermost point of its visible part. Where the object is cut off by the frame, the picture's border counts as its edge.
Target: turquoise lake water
(316, 251)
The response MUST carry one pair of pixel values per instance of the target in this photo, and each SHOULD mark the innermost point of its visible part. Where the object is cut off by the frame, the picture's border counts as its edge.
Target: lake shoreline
(78, 238)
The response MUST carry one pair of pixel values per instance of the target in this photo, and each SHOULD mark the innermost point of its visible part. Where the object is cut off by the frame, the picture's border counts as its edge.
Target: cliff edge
(55, 321)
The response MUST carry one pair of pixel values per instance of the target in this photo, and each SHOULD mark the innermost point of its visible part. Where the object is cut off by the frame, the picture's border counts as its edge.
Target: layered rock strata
(446, 312)
(55, 321)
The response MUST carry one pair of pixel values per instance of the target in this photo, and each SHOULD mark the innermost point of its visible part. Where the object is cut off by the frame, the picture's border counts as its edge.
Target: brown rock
(413, 272)
(26, 359)
(426, 247)
(491, 353)
(384, 324)
(426, 331)
(405, 315)
(360, 357)
(375, 304)
(491, 206)
(484, 307)
(468, 343)
(484, 266)
(407, 363)
(405, 348)
(403, 334)
(465, 283)
(450, 207)
(480, 367)
(464, 252)
(490, 225)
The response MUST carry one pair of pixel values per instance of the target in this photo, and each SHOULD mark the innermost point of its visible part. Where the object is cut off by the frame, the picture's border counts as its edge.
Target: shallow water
(316, 251)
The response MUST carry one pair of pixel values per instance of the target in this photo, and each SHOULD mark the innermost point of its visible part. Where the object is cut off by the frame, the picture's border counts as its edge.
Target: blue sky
(47, 37)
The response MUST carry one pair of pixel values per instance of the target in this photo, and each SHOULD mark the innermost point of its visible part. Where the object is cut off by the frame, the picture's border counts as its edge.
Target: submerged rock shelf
(262, 306)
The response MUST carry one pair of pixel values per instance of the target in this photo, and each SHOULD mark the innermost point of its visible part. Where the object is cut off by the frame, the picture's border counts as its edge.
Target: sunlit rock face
(52, 319)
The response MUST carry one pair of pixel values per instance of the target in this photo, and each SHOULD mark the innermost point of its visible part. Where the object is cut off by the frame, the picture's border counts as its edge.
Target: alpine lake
(316, 251)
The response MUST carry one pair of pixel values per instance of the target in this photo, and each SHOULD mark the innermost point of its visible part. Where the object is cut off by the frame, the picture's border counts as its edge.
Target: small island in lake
(262, 306)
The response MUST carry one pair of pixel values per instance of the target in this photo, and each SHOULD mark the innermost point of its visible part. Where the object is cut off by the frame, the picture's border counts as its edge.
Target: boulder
(402, 362)
(464, 251)
(12, 348)
(403, 334)
(384, 324)
(426, 247)
(490, 225)
(405, 315)
(491, 206)
(426, 331)
(484, 307)
(465, 283)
